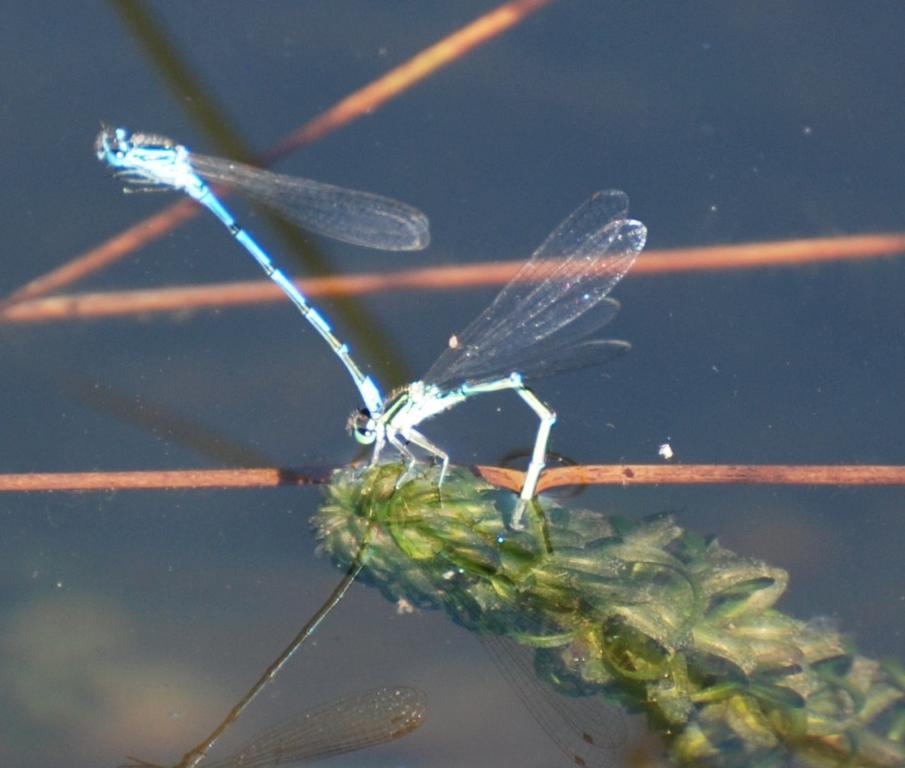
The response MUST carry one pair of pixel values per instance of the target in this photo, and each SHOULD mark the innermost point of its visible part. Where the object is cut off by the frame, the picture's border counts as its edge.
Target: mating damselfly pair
(544, 321)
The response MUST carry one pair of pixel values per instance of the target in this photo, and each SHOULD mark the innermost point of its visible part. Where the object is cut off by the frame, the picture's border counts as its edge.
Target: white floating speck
(404, 607)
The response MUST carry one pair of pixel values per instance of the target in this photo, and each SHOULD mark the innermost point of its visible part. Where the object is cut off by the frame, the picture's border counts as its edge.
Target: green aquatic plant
(662, 620)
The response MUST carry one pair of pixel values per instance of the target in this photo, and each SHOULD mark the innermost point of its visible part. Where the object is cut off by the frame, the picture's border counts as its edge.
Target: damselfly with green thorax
(544, 321)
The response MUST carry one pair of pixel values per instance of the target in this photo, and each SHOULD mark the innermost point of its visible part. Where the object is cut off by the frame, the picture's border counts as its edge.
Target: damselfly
(543, 322)
(151, 162)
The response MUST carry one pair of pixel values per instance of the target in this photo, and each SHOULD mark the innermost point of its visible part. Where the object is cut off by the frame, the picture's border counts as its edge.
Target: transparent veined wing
(553, 356)
(356, 722)
(588, 730)
(555, 302)
(360, 218)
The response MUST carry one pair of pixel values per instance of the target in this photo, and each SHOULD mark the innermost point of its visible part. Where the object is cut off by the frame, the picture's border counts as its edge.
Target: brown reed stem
(189, 297)
(604, 474)
(406, 75)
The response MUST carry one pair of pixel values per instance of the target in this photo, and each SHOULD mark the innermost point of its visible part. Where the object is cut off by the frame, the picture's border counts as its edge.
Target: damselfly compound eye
(362, 427)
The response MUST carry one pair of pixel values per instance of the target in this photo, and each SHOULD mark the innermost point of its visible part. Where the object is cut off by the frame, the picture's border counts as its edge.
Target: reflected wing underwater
(349, 724)
(587, 729)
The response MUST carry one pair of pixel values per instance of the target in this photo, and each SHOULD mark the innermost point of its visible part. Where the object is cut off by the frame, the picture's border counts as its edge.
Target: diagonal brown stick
(183, 298)
(602, 474)
(401, 78)
(362, 102)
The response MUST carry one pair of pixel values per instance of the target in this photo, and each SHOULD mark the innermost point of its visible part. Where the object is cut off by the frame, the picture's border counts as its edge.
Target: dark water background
(128, 622)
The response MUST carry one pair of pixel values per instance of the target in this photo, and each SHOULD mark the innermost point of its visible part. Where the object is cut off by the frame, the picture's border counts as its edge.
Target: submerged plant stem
(642, 612)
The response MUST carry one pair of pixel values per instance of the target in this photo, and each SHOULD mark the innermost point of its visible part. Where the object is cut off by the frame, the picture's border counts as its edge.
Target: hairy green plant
(661, 619)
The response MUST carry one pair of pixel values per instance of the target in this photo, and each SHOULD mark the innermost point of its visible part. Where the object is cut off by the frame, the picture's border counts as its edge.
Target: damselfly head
(115, 143)
(108, 141)
(363, 426)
